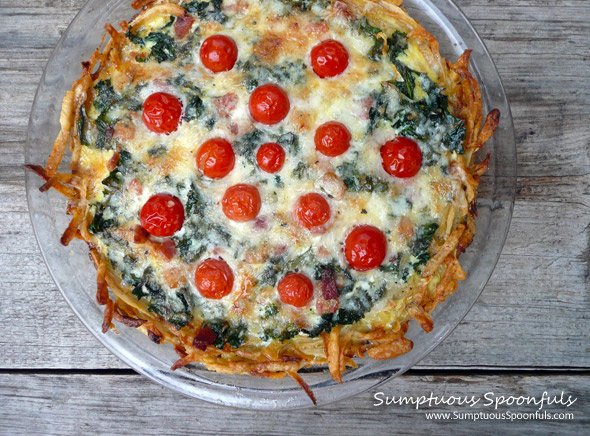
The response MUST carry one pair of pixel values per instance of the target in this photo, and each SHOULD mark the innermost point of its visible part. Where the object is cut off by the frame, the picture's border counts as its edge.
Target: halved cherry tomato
(401, 157)
(241, 202)
(214, 278)
(219, 53)
(162, 215)
(215, 158)
(269, 104)
(270, 157)
(329, 58)
(161, 112)
(295, 289)
(332, 138)
(365, 247)
(312, 210)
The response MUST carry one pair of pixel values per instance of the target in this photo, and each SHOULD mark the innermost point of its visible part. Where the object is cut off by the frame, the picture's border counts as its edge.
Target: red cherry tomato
(241, 202)
(269, 104)
(270, 157)
(215, 158)
(329, 58)
(365, 247)
(219, 53)
(312, 210)
(332, 138)
(295, 289)
(162, 215)
(214, 278)
(401, 157)
(161, 112)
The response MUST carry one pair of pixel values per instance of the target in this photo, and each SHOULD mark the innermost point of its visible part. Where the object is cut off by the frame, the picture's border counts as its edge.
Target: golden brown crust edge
(338, 347)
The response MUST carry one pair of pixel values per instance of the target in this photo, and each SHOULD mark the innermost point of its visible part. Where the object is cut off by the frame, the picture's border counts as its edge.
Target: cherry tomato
(295, 289)
(241, 202)
(329, 58)
(215, 158)
(401, 157)
(332, 139)
(312, 210)
(365, 247)
(162, 215)
(161, 112)
(269, 104)
(270, 157)
(219, 53)
(214, 278)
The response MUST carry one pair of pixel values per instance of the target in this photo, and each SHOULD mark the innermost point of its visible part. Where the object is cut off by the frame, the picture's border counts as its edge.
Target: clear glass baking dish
(75, 275)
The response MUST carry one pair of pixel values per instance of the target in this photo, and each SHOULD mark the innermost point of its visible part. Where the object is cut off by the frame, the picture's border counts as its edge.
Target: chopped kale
(304, 5)
(351, 310)
(99, 223)
(256, 73)
(289, 141)
(176, 310)
(234, 335)
(195, 202)
(426, 119)
(207, 10)
(278, 266)
(82, 126)
(185, 85)
(199, 229)
(164, 48)
(194, 108)
(301, 171)
(365, 28)
(421, 244)
(105, 95)
(157, 150)
(396, 45)
(454, 138)
(247, 144)
(115, 179)
(269, 311)
(331, 320)
(284, 334)
(356, 181)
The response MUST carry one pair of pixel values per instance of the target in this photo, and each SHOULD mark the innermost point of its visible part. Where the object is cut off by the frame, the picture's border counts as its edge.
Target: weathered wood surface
(118, 404)
(534, 313)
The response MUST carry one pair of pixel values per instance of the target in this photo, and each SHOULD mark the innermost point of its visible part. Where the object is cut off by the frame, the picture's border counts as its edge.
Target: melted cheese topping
(274, 44)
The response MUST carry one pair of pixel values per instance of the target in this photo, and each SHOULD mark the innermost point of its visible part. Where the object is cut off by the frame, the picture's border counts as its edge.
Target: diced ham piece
(324, 306)
(206, 336)
(328, 284)
(225, 104)
(183, 25)
(113, 161)
(168, 248)
(332, 185)
(135, 186)
(140, 235)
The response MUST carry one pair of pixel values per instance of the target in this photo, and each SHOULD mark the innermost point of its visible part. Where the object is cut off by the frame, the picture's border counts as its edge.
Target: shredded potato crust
(343, 343)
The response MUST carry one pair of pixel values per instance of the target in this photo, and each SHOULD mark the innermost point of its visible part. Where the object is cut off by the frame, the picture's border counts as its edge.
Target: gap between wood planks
(449, 372)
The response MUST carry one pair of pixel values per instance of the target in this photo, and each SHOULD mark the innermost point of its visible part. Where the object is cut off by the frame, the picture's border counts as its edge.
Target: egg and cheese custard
(272, 184)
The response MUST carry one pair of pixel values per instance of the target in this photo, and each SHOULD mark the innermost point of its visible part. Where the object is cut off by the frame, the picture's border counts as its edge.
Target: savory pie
(269, 185)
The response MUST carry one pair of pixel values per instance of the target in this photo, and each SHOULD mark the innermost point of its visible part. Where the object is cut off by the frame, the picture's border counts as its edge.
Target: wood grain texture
(537, 299)
(534, 312)
(118, 404)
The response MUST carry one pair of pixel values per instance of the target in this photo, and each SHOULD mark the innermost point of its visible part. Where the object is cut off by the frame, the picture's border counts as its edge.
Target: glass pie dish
(75, 275)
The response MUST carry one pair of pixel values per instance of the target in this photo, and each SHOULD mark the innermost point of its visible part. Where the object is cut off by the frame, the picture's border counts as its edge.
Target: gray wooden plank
(534, 311)
(119, 405)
